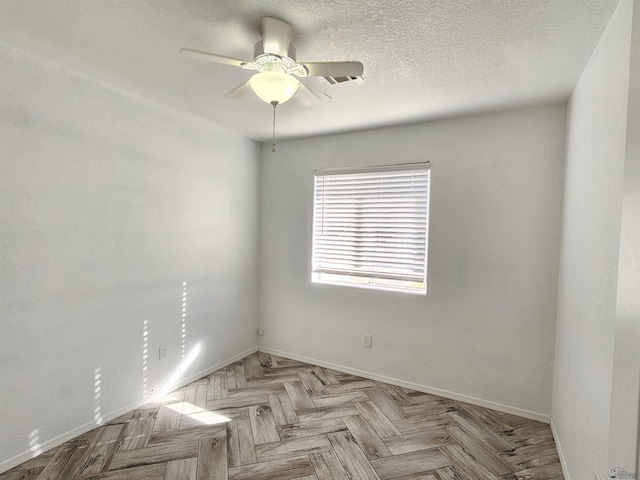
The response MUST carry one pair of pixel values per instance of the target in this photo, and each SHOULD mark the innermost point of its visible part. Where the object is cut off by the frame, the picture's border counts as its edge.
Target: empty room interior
(415, 256)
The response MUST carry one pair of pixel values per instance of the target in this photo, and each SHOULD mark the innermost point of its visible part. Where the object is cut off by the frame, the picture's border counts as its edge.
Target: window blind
(370, 227)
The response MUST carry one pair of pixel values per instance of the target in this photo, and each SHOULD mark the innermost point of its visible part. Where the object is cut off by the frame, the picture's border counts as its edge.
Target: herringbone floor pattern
(268, 417)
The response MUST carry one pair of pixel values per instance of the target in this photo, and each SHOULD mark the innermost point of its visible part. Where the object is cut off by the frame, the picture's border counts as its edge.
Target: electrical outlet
(162, 352)
(261, 331)
(367, 341)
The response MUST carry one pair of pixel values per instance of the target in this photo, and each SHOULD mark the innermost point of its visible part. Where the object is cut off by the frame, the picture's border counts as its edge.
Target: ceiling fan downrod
(273, 142)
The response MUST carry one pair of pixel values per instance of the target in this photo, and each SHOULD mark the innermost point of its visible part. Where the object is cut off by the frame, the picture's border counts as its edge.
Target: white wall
(108, 203)
(589, 259)
(624, 445)
(486, 327)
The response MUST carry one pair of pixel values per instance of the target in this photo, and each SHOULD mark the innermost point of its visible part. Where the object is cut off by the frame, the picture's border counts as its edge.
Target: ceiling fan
(274, 60)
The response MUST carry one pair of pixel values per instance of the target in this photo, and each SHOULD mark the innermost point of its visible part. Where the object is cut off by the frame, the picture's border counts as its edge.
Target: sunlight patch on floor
(199, 414)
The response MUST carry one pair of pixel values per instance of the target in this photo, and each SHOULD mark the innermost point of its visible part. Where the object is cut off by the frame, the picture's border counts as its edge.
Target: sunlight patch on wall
(178, 372)
(97, 394)
(184, 318)
(34, 442)
(145, 358)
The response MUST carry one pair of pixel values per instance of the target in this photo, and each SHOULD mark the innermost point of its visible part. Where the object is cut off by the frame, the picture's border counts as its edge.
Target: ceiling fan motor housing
(268, 62)
(258, 49)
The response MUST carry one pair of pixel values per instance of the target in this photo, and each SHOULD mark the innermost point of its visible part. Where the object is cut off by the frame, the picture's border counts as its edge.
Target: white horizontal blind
(370, 227)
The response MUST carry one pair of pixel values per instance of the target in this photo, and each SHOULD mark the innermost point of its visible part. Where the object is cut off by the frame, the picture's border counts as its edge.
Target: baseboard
(65, 437)
(540, 417)
(556, 438)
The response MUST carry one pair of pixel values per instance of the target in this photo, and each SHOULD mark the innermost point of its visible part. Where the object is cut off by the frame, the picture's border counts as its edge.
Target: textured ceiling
(423, 59)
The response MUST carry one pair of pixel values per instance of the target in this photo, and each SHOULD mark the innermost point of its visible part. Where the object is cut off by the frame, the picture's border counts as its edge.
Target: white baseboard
(540, 417)
(556, 438)
(60, 439)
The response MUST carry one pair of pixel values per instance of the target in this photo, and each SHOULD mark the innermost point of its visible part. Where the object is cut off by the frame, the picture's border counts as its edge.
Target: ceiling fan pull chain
(273, 143)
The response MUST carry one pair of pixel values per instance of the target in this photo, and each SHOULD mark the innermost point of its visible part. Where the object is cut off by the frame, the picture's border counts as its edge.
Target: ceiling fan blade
(212, 57)
(239, 91)
(334, 69)
(276, 36)
(305, 97)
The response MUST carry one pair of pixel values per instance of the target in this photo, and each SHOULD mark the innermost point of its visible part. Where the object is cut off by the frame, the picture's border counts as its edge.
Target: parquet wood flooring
(272, 418)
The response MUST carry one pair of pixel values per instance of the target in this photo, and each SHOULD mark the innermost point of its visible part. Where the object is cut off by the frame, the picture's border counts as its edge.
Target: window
(370, 227)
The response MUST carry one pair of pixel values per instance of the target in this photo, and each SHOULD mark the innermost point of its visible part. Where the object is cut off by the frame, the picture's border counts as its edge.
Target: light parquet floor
(272, 418)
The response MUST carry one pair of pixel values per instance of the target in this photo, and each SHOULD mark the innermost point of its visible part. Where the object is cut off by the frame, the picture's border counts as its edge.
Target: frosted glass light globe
(274, 86)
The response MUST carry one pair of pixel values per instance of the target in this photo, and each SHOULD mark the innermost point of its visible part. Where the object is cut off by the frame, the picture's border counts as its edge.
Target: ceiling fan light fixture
(274, 86)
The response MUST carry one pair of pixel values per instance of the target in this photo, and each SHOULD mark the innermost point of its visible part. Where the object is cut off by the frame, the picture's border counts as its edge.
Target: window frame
(396, 282)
